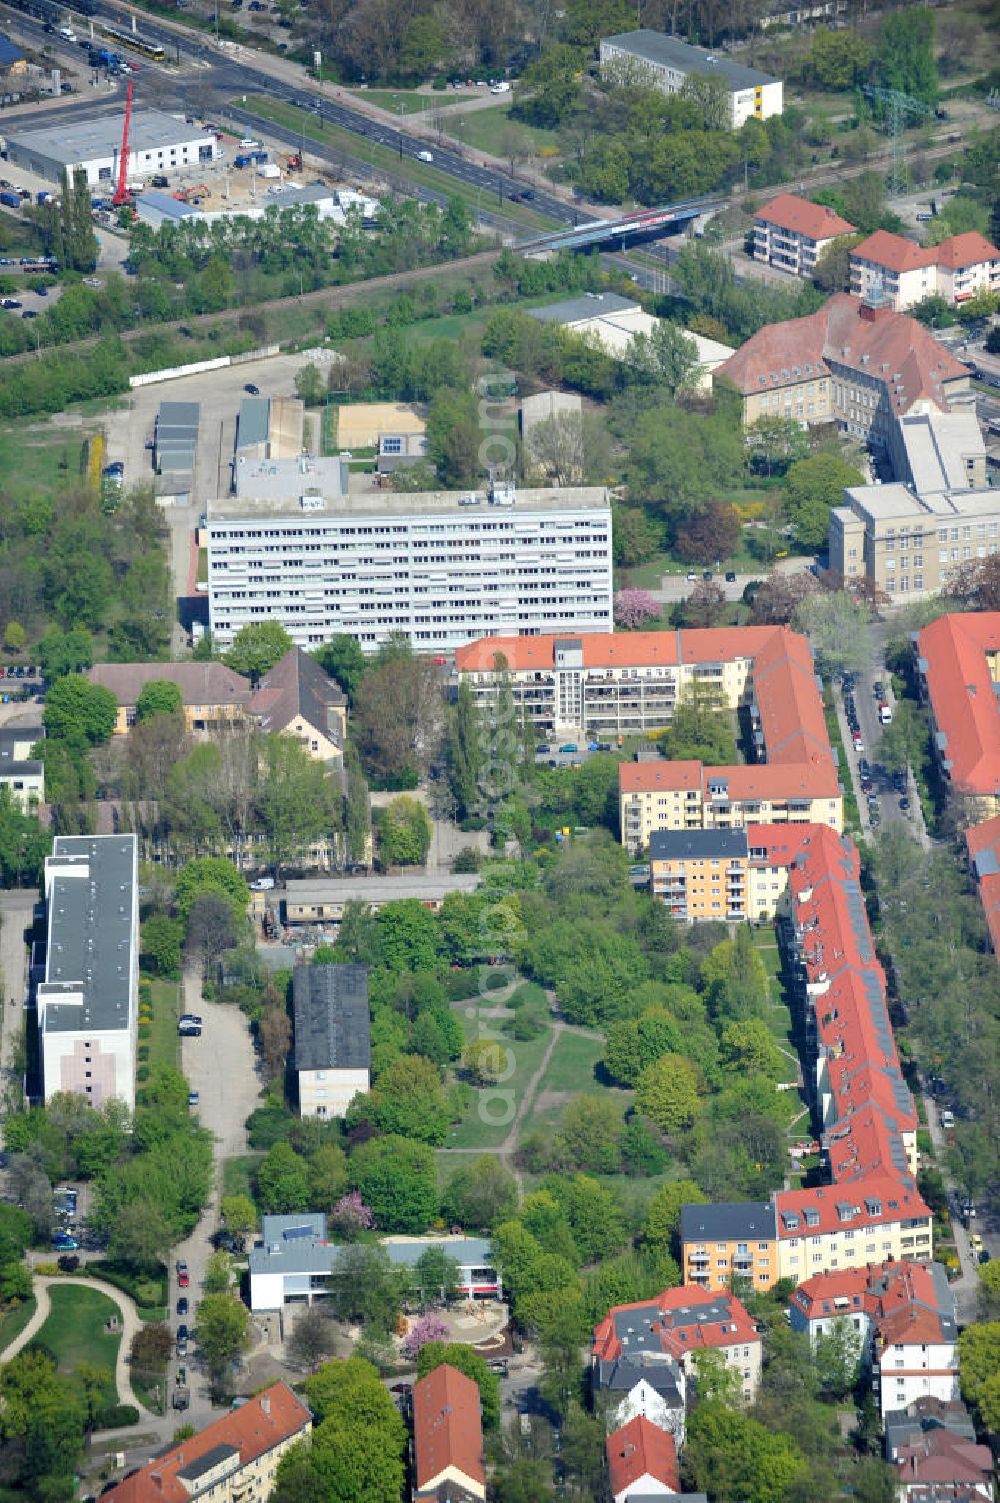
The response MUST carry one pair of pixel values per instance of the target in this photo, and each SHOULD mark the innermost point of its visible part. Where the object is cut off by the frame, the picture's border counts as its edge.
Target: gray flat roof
(234, 509)
(332, 1023)
(590, 305)
(290, 198)
(727, 1221)
(285, 479)
(671, 52)
(675, 845)
(379, 889)
(298, 1244)
(179, 414)
(77, 139)
(166, 204)
(90, 911)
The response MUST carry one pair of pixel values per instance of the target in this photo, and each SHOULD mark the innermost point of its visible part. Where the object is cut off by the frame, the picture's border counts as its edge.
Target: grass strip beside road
(408, 101)
(422, 174)
(15, 1320)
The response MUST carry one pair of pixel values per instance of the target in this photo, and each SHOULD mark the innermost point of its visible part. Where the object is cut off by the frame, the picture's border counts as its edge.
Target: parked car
(730, 576)
(904, 804)
(193, 1098)
(183, 1274)
(947, 1119)
(568, 748)
(182, 1305)
(251, 390)
(63, 1242)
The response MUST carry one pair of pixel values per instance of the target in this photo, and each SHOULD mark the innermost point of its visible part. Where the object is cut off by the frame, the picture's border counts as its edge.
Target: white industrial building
(664, 62)
(87, 1002)
(157, 143)
(442, 568)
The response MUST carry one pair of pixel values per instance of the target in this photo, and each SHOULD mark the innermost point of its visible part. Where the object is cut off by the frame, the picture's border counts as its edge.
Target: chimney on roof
(870, 313)
(265, 1404)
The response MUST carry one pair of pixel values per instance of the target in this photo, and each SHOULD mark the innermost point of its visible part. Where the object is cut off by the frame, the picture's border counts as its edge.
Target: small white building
(905, 1318)
(643, 1399)
(332, 1037)
(21, 772)
(87, 1002)
(664, 62)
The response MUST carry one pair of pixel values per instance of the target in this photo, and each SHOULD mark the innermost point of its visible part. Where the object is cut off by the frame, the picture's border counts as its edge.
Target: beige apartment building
(661, 795)
(904, 273)
(792, 233)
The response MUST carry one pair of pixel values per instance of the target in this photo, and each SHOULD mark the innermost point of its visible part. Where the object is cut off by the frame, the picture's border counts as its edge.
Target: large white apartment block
(441, 568)
(904, 273)
(87, 1002)
(664, 62)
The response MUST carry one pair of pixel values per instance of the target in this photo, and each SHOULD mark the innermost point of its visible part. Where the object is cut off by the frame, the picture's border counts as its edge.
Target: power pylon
(898, 109)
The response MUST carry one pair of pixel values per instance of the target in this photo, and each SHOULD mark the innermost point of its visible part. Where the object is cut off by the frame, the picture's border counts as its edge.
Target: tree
(222, 1331)
(398, 718)
(23, 843)
(839, 630)
(635, 609)
(904, 57)
(731, 1455)
(837, 1358)
(836, 60)
(408, 1100)
(979, 1366)
(902, 742)
(749, 1049)
(568, 447)
(812, 487)
(256, 648)
(715, 1381)
(429, 1327)
(239, 1217)
(709, 535)
(312, 1338)
(779, 597)
(294, 802)
(368, 1288)
(343, 659)
(218, 1273)
(705, 605)
(667, 357)
(211, 874)
(62, 652)
(211, 929)
(550, 87)
(591, 1134)
(480, 1195)
(404, 832)
(357, 1448)
(989, 1291)
(977, 583)
(15, 638)
(397, 1179)
(159, 696)
(668, 1092)
(435, 1277)
(465, 751)
(139, 1234)
(486, 1060)
(832, 272)
(663, 1214)
(283, 1181)
(636, 537)
(773, 443)
(160, 945)
(79, 712)
(456, 1354)
(152, 1347)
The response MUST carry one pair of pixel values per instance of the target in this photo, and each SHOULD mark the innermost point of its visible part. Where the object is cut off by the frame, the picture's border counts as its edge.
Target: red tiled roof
(633, 649)
(199, 683)
(897, 1198)
(900, 1298)
(892, 347)
(802, 217)
(894, 252)
(983, 843)
(967, 249)
(259, 1425)
(939, 1456)
(641, 1449)
(447, 1428)
(963, 697)
(755, 781)
(685, 1319)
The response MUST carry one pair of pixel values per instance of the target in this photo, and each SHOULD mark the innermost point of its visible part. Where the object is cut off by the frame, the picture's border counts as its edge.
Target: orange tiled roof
(967, 249)
(633, 649)
(897, 1199)
(963, 696)
(900, 1298)
(259, 1425)
(894, 348)
(447, 1428)
(894, 252)
(641, 1449)
(802, 217)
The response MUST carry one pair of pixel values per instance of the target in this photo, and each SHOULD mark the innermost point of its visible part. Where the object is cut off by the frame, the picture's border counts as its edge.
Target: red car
(183, 1277)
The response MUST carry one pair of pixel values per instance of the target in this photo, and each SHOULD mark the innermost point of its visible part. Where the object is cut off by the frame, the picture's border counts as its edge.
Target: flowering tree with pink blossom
(636, 608)
(350, 1217)
(428, 1328)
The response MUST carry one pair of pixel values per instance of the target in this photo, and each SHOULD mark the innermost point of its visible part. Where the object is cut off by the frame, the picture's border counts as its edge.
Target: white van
(503, 87)
(424, 156)
(885, 714)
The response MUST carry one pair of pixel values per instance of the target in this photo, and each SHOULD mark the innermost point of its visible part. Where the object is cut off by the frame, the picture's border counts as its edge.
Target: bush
(528, 994)
(142, 1074)
(47, 1270)
(147, 1289)
(116, 1416)
(269, 1125)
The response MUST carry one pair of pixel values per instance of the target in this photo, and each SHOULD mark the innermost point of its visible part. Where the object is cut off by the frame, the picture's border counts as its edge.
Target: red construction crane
(121, 192)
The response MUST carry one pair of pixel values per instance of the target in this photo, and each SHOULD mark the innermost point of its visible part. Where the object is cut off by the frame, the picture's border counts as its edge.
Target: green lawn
(424, 174)
(409, 102)
(75, 1332)
(164, 1040)
(41, 457)
(485, 130)
(238, 1174)
(491, 1113)
(573, 1064)
(14, 1322)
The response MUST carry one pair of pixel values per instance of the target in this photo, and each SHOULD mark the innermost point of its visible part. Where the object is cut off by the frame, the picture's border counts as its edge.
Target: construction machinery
(121, 191)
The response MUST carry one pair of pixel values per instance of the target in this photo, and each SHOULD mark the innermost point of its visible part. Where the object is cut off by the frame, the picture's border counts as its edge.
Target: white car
(425, 156)
(249, 144)
(500, 88)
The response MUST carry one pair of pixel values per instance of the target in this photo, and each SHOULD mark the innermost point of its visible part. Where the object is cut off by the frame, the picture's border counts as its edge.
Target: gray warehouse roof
(670, 52)
(574, 310)
(81, 140)
(332, 1023)
(90, 933)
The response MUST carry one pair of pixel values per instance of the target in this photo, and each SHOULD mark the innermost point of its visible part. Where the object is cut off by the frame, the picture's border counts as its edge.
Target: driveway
(222, 1067)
